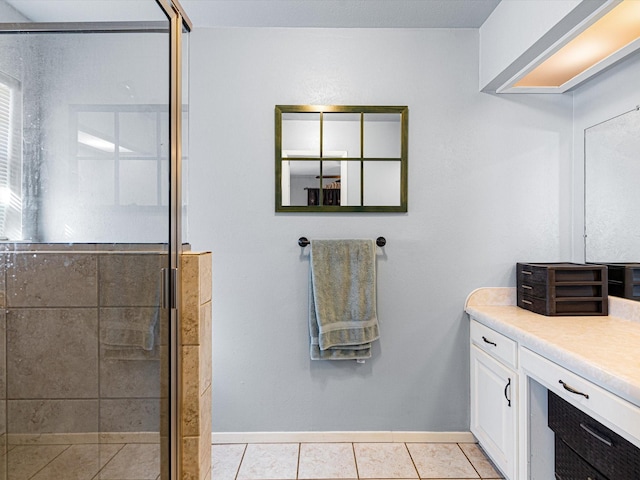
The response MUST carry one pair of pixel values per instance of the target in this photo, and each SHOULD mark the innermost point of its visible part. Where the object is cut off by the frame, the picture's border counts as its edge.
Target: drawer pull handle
(505, 393)
(596, 435)
(524, 272)
(489, 341)
(526, 301)
(573, 390)
(528, 287)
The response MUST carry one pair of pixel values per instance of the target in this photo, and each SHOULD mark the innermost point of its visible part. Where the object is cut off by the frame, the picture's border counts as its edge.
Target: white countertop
(602, 349)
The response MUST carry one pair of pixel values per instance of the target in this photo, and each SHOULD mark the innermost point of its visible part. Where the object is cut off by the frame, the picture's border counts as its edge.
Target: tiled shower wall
(57, 302)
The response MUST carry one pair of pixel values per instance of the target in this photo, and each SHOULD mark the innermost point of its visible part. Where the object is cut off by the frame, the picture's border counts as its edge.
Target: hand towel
(130, 334)
(342, 299)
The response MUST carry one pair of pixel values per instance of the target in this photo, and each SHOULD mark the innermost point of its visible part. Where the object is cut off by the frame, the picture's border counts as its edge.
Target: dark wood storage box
(607, 452)
(624, 280)
(563, 288)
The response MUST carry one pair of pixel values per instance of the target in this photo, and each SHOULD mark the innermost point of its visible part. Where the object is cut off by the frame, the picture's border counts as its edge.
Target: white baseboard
(342, 437)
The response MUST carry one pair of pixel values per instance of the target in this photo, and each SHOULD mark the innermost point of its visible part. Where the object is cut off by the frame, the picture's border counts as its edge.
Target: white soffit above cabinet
(602, 38)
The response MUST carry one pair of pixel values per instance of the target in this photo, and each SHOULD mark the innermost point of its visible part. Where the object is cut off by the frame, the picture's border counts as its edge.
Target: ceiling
(273, 13)
(340, 13)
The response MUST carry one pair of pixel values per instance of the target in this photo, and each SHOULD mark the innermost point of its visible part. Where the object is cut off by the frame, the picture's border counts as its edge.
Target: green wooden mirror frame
(319, 157)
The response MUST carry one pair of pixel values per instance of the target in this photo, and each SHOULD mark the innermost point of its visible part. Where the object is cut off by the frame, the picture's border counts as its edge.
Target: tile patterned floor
(270, 461)
(336, 461)
(132, 461)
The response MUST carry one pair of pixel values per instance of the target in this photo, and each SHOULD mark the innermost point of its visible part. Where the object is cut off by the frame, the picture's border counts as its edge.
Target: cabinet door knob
(505, 393)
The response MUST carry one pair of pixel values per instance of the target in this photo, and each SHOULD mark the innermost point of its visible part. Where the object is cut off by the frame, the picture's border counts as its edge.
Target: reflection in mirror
(612, 201)
(612, 196)
(341, 158)
(383, 183)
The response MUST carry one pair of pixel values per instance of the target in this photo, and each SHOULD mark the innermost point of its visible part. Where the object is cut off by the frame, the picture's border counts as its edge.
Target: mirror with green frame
(341, 158)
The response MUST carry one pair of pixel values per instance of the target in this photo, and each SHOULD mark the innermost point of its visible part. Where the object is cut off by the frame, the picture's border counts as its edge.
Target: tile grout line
(412, 460)
(298, 464)
(50, 461)
(355, 459)
(469, 460)
(244, 451)
(100, 470)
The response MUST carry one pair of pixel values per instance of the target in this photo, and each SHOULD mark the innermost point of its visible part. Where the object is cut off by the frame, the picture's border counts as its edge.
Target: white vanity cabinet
(518, 357)
(494, 389)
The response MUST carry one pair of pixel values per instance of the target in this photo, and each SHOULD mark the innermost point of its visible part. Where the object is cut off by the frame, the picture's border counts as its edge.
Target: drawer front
(615, 413)
(570, 466)
(564, 307)
(532, 274)
(607, 451)
(494, 343)
(531, 289)
(559, 291)
(558, 273)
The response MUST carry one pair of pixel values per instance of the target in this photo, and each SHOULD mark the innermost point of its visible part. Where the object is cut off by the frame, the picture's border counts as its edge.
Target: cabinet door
(493, 410)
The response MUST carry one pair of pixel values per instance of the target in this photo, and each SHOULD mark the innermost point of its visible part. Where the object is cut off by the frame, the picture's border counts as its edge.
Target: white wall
(10, 14)
(485, 176)
(608, 95)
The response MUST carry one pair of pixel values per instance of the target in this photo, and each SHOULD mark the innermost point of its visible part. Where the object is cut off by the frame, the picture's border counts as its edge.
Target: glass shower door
(85, 213)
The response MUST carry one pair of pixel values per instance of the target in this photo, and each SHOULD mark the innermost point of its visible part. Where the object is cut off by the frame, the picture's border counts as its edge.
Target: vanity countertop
(602, 349)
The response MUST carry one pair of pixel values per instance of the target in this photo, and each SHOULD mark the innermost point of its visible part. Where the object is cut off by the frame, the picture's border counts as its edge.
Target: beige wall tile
(190, 390)
(205, 277)
(190, 300)
(3, 354)
(205, 428)
(129, 378)
(3, 287)
(130, 415)
(52, 280)
(190, 458)
(52, 416)
(3, 423)
(205, 347)
(196, 366)
(130, 280)
(44, 345)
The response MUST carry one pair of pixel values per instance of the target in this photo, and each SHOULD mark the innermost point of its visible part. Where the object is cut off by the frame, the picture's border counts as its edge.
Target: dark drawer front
(531, 289)
(532, 274)
(607, 451)
(570, 466)
(539, 290)
(550, 307)
(550, 273)
(624, 280)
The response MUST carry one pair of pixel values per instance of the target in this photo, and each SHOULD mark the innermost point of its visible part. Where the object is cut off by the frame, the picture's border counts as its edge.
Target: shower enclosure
(93, 110)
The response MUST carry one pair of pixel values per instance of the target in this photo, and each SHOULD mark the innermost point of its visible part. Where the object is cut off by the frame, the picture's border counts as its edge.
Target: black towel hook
(304, 241)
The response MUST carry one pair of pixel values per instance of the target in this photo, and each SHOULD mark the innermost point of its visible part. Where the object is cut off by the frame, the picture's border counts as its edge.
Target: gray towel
(130, 333)
(342, 299)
